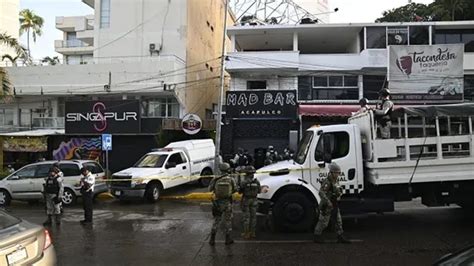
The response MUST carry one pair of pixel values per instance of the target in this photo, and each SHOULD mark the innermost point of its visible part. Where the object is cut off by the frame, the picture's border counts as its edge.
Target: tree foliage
(31, 24)
(439, 10)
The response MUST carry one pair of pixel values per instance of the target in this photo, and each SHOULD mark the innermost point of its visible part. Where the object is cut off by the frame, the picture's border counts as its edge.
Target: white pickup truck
(177, 163)
(430, 155)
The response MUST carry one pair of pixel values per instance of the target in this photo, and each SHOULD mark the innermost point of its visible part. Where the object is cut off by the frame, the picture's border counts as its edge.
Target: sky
(349, 11)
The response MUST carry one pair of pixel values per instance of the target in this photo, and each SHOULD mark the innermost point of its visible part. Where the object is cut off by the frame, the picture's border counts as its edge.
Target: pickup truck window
(304, 147)
(176, 158)
(152, 160)
(339, 145)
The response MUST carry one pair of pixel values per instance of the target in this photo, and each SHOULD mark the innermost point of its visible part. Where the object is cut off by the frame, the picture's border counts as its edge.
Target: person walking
(222, 187)
(87, 190)
(53, 193)
(330, 193)
(249, 188)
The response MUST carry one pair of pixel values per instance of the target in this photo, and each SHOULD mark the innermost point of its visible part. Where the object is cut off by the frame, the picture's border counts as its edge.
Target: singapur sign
(102, 117)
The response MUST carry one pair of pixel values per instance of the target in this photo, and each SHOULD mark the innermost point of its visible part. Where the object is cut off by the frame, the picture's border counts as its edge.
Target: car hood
(140, 172)
(279, 168)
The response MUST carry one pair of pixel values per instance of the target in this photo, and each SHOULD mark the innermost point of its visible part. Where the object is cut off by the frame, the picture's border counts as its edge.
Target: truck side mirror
(170, 165)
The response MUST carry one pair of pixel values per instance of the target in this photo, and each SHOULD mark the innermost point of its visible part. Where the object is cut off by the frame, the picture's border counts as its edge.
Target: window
(397, 35)
(70, 169)
(338, 145)
(104, 14)
(175, 158)
(372, 86)
(27, 172)
(456, 36)
(42, 170)
(256, 84)
(361, 40)
(469, 88)
(376, 37)
(160, 107)
(335, 88)
(95, 168)
(419, 35)
(183, 158)
(151, 160)
(304, 147)
(25, 117)
(6, 117)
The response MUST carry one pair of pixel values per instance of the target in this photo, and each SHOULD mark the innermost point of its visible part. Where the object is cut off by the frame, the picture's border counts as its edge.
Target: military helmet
(334, 167)
(363, 101)
(224, 167)
(384, 92)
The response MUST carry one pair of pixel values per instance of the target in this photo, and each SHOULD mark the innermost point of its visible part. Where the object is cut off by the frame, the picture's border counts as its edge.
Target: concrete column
(232, 43)
(295, 42)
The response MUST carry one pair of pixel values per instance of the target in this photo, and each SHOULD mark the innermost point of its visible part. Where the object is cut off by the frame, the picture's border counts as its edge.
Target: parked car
(176, 164)
(24, 243)
(464, 256)
(27, 182)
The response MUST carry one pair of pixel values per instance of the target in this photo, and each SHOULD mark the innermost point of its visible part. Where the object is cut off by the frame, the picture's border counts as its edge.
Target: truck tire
(293, 212)
(152, 192)
(206, 178)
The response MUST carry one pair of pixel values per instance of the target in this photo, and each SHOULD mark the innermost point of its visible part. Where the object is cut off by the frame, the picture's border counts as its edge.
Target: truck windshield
(152, 160)
(304, 147)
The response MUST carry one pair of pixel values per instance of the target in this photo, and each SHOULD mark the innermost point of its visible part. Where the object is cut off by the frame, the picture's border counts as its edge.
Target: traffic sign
(106, 142)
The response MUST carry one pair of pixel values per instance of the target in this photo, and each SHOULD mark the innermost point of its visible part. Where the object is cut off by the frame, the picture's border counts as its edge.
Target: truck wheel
(69, 197)
(152, 192)
(5, 198)
(206, 178)
(294, 212)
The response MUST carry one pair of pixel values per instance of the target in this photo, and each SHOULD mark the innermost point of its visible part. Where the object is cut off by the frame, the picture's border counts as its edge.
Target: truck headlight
(264, 189)
(139, 181)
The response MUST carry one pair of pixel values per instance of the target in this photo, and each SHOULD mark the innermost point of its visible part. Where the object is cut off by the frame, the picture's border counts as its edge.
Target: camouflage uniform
(249, 188)
(53, 193)
(330, 193)
(222, 208)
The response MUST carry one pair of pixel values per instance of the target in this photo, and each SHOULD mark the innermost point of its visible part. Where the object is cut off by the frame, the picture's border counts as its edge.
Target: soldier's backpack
(251, 189)
(223, 188)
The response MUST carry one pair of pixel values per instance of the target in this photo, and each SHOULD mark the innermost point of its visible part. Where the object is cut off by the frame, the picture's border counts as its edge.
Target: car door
(41, 172)
(72, 173)
(175, 169)
(21, 182)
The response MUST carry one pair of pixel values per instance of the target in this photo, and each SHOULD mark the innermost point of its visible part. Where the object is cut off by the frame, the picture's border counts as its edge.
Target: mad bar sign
(261, 104)
(98, 117)
(426, 72)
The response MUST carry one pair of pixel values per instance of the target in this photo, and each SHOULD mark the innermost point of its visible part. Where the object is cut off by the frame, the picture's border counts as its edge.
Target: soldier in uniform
(240, 160)
(53, 193)
(223, 187)
(330, 193)
(383, 113)
(249, 188)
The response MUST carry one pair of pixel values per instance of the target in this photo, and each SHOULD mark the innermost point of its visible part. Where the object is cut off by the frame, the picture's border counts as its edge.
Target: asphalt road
(176, 233)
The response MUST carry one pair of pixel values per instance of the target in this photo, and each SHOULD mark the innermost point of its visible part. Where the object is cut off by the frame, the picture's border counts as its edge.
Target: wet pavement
(176, 233)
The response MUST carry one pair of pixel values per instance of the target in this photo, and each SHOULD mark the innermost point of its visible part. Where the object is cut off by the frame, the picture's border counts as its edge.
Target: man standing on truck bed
(223, 187)
(383, 113)
(330, 193)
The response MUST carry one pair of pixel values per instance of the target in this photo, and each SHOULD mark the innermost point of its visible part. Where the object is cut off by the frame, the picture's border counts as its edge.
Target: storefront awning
(327, 110)
(34, 133)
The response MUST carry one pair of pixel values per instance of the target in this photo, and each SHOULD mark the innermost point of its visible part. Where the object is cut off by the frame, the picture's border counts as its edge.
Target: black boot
(57, 217)
(48, 221)
(318, 238)
(342, 239)
(228, 239)
(212, 239)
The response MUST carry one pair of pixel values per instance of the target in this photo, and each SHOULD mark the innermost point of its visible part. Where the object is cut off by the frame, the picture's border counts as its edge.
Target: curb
(198, 196)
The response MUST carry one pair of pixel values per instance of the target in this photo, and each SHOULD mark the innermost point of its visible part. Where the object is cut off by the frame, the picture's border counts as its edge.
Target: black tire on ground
(69, 197)
(293, 212)
(5, 198)
(152, 192)
(206, 178)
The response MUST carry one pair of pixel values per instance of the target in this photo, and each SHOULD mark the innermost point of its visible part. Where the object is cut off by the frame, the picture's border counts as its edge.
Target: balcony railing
(72, 44)
(48, 122)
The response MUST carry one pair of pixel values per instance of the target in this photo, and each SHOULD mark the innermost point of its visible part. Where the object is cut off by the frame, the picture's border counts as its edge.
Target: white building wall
(143, 25)
(316, 7)
(273, 82)
(9, 22)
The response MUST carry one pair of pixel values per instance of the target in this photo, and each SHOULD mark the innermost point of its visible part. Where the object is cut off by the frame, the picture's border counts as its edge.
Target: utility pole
(221, 93)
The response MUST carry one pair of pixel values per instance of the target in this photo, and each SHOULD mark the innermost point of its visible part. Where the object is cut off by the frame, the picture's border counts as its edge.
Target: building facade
(9, 23)
(331, 66)
(163, 55)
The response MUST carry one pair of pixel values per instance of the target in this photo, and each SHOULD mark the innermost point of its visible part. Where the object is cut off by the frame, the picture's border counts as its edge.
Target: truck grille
(126, 183)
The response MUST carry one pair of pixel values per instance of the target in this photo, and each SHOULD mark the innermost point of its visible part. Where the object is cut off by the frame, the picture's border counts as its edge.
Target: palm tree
(30, 22)
(447, 9)
(5, 82)
(20, 51)
(51, 60)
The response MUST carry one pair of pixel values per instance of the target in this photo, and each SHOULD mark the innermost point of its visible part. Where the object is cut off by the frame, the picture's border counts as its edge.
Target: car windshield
(304, 147)
(7, 220)
(152, 160)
